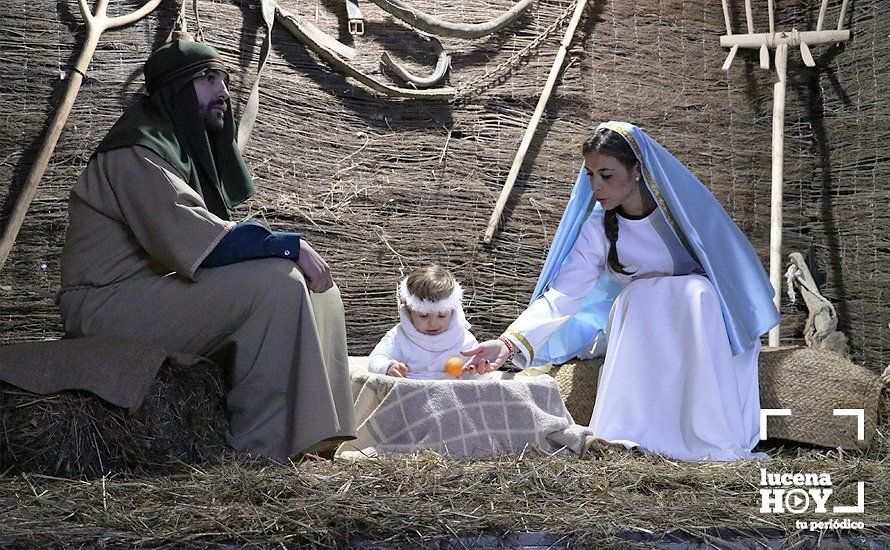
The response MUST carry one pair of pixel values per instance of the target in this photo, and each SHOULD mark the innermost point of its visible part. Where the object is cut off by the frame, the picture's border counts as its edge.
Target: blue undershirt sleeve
(252, 240)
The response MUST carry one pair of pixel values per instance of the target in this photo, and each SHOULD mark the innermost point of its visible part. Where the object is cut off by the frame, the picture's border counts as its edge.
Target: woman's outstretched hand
(486, 357)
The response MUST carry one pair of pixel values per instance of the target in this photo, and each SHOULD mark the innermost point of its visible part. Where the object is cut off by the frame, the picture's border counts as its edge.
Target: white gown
(669, 383)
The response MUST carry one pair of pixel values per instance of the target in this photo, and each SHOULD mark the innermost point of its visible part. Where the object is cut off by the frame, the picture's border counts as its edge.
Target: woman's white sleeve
(385, 353)
(563, 297)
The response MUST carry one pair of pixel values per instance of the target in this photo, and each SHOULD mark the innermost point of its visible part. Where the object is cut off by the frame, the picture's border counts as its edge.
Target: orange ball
(454, 366)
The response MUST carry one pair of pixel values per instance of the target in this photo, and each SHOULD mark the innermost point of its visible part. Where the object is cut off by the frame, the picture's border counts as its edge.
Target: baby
(431, 328)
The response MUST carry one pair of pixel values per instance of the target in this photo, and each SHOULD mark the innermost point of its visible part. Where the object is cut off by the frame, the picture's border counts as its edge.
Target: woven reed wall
(381, 186)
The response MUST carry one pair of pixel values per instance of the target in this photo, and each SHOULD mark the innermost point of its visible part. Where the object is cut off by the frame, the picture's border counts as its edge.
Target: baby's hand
(399, 370)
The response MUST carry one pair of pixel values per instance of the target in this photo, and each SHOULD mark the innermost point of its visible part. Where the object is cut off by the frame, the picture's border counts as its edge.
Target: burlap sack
(812, 383)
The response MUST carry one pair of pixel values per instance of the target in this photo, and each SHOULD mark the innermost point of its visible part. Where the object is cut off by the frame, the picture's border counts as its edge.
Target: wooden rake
(780, 41)
(97, 23)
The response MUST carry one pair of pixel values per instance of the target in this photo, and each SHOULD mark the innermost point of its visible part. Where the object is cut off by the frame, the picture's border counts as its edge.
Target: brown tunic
(130, 270)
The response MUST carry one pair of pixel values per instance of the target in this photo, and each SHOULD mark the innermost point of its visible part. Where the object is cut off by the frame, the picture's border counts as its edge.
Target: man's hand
(315, 269)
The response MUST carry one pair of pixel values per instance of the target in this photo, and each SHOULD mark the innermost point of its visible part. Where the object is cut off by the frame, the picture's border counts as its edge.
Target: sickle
(332, 51)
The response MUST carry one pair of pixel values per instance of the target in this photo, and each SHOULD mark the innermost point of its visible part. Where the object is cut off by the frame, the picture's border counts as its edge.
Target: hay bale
(75, 434)
(577, 381)
(812, 383)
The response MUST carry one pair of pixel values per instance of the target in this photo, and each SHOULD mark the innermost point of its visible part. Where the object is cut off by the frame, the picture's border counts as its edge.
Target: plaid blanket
(461, 418)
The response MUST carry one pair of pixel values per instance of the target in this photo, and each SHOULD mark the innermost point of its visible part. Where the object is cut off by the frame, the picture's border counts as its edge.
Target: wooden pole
(772, 16)
(842, 16)
(735, 49)
(726, 16)
(821, 19)
(775, 233)
(749, 16)
(96, 24)
(533, 123)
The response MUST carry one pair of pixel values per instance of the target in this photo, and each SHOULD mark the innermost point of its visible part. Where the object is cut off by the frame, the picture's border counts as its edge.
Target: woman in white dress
(657, 274)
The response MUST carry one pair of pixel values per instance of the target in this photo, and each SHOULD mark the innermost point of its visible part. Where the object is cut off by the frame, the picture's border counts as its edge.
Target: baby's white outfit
(425, 355)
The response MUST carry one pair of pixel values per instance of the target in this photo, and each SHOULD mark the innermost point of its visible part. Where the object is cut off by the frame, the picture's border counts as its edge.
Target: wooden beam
(533, 123)
(755, 41)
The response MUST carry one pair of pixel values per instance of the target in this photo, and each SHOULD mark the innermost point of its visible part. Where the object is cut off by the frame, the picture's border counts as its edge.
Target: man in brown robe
(151, 255)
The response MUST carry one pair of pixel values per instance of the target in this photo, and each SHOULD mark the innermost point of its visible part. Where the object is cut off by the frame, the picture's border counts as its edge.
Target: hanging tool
(96, 23)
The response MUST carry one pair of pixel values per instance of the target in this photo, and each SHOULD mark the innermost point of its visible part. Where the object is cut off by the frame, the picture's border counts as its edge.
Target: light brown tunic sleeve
(130, 210)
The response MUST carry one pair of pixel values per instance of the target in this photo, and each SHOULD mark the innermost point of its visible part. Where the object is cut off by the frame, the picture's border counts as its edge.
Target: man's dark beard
(211, 121)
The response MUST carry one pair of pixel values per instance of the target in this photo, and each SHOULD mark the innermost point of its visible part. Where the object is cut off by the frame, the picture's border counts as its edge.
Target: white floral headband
(453, 302)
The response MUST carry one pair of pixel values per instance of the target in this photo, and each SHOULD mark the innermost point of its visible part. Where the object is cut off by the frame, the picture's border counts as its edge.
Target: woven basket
(577, 382)
(812, 383)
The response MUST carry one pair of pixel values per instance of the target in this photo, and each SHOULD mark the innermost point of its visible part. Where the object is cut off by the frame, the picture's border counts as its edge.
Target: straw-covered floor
(612, 499)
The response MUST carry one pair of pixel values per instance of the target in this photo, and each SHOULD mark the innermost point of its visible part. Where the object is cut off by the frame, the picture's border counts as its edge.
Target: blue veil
(701, 224)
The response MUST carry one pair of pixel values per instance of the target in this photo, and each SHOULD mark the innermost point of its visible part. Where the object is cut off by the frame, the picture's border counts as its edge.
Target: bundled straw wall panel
(379, 186)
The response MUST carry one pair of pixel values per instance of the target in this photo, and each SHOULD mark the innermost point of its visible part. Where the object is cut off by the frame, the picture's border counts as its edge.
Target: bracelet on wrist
(511, 348)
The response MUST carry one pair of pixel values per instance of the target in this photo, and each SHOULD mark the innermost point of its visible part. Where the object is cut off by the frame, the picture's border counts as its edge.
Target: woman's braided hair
(609, 142)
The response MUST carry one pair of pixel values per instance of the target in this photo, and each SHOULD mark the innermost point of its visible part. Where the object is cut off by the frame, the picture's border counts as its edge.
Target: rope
(248, 117)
